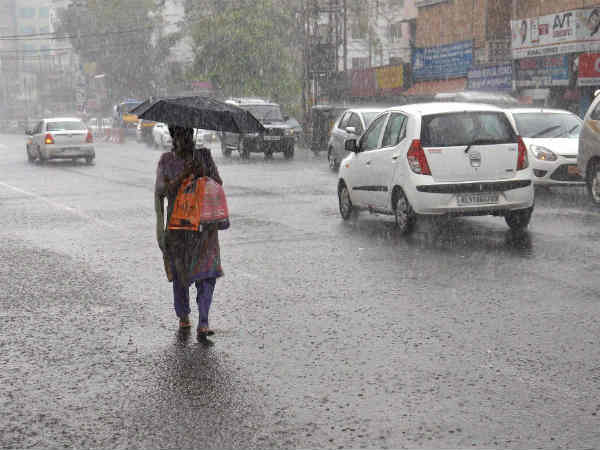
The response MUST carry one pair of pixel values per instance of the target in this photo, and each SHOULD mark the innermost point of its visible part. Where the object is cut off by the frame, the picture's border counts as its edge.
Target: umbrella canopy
(199, 112)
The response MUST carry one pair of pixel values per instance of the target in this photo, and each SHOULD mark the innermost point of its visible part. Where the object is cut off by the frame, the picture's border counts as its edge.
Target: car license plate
(271, 138)
(572, 170)
(479, 198)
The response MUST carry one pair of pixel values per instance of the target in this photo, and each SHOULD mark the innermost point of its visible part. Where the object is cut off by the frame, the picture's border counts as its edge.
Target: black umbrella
(199, 112)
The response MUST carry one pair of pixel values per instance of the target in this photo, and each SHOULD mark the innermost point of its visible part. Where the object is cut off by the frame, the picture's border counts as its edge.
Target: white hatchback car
(552, 138)
(61, 138)
(438, 158)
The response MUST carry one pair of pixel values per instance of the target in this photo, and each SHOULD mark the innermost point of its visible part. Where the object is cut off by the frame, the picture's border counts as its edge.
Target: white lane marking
(59, 205)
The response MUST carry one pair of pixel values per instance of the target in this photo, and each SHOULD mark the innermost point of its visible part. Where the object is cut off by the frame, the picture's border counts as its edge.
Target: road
(329, 334)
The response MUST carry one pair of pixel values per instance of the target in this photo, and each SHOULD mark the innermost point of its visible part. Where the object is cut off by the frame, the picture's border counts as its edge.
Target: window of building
(395, 31)
(26, 12)
(360, 63)
(44, 11)
(359, 26)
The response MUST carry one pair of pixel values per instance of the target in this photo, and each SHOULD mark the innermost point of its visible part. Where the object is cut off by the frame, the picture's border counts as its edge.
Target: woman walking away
(190, 256)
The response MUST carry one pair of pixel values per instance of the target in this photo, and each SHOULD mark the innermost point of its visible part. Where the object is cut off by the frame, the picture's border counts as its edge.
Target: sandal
(208, 331)
(203, 339)
(184, 322)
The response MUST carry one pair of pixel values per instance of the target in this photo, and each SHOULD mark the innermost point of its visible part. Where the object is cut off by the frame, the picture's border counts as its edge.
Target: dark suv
(278, 137)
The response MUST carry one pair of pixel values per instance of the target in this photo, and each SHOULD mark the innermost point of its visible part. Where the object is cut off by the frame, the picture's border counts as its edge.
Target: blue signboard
(444, 61)
(544, 71)
(490, 78)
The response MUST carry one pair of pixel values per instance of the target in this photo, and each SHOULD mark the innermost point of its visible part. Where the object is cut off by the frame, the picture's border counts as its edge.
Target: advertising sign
(545, 35)
(555, 34)
(490, 78)
(588, 29)
(544, 71)
(377, 81)
(589, 69)
(444, 61)
(390, 77)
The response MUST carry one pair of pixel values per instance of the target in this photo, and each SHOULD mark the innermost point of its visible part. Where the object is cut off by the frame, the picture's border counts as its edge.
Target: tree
(249, 47)
(123, 38)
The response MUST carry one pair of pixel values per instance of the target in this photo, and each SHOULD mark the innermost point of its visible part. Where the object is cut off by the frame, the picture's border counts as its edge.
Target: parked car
(350, 124)
(60, 138)
(278, 137)
(438, 159)
(202, 138)
(588, 159)
(551, 137)
(162, 137)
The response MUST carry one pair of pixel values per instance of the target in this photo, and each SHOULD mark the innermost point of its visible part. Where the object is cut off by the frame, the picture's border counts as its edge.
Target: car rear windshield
(547, 125)
(265, 113)
(466, 128)
(65, 126)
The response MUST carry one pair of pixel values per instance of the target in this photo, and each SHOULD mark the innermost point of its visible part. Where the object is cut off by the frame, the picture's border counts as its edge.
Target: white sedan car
(162, 137)
(552, 138)
(435, 159)
(60, 138)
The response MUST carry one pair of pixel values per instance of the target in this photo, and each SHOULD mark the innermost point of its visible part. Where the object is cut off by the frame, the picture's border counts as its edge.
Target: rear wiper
(547, 130)
(482, 142)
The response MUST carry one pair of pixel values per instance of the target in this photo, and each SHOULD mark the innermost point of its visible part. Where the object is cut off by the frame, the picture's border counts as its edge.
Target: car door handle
(395, 157)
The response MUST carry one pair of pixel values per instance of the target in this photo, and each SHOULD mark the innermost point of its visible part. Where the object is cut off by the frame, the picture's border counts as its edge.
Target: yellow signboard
(390, 77)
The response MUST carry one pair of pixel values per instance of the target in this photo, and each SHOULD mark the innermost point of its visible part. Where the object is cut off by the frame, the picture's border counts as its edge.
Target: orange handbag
(199, 201)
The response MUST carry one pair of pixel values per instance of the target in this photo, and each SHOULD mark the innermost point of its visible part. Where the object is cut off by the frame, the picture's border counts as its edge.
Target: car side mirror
(351, 146)
(351, 130)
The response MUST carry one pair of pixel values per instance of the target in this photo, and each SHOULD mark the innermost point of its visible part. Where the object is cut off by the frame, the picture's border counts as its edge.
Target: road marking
(59, 206)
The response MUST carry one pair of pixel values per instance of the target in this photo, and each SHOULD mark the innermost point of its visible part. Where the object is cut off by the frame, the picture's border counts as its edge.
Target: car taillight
(416, 158)
(89, 138)
(522, 161)
(49, 139)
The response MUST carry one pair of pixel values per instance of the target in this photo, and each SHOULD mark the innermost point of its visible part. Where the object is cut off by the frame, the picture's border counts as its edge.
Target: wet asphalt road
(328, 334)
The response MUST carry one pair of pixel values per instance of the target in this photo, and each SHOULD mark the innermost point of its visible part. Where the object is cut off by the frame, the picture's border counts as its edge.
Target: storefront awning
(438, 86)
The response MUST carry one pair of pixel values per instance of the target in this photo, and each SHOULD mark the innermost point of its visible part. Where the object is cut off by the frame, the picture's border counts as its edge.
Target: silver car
(350, 125)
(60, 138)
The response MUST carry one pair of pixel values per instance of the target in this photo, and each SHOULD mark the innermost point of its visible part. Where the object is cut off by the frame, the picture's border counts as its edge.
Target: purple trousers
(204, 295)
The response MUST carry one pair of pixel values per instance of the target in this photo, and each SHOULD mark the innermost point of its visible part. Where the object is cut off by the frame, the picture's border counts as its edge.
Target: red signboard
(589, 69)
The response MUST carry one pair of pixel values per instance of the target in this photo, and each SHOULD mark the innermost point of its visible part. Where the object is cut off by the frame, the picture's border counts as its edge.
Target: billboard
(556, 34)
(543, 71)
(589, 69)
(490, 78)
(442, 62)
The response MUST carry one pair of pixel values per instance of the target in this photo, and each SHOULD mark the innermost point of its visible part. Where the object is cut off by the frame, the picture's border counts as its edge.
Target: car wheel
(268, 154)
(89, 160)
(289, 153)
(519, 219)
(404, 214)
(347, 210)
(243, 150)
(593, 182)
(42, 158)
(226, 152)
(331, 159)
(29, 157)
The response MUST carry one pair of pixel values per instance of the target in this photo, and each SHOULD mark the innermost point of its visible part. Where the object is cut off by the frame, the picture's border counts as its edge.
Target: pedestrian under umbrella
(190, 256)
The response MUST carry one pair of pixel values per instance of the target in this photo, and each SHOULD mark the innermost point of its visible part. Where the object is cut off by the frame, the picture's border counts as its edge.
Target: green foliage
(123, 38)
(250, 48)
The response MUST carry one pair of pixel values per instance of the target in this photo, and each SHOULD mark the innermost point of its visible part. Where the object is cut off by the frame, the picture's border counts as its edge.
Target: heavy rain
(299, 224)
